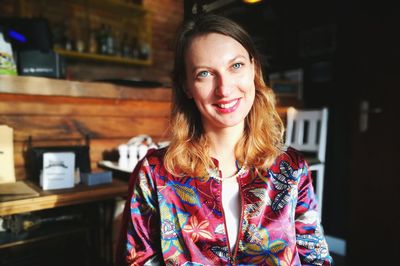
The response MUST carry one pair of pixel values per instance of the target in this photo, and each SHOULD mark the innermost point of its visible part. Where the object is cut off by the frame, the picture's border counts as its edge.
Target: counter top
(64, 197)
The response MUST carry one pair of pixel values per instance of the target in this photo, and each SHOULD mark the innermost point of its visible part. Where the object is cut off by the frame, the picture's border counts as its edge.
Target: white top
(231, 206)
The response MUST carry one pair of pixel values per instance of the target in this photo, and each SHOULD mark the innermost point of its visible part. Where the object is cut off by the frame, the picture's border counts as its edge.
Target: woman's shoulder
(156, 155)
(292, 157)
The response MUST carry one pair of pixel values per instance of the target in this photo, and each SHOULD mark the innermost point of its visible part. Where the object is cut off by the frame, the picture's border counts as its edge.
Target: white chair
(306, 131)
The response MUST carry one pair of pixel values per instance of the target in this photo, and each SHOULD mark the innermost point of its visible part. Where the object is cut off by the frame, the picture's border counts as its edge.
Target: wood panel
(57, 127)
(63, 119)
(18, 106)
(53, 87)
(55, 117)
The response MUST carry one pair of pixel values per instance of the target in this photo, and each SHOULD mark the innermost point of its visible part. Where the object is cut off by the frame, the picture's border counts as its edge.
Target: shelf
(116, 5)
(65, 197)
(80, 20)
(105, 58)
(110, 5)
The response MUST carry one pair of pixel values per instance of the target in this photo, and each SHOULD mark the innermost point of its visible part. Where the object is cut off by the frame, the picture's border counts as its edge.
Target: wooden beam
(54, 87)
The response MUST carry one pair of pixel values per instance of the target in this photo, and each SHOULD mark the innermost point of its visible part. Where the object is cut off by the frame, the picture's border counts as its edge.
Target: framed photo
(288, 83)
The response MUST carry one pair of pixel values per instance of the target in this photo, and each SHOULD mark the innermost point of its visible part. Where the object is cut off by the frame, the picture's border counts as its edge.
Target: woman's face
(220, 79)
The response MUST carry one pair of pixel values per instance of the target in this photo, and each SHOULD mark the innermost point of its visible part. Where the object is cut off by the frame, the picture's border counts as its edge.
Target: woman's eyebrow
(237, 57)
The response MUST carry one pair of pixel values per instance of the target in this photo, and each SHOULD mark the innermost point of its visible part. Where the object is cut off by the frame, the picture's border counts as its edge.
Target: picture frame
(34, 158)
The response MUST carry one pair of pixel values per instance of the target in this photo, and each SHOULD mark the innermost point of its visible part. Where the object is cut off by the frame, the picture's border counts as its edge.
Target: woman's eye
(203, 74)
(237, 65)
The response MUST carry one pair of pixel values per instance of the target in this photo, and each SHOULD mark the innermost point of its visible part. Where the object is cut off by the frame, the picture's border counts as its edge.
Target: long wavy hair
(188, 152)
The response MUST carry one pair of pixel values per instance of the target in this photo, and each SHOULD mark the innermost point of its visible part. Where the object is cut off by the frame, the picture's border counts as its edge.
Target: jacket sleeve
(142, 239)
(310, 240)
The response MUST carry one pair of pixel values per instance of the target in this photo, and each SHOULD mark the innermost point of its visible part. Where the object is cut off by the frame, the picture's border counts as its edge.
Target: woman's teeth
(227, 105)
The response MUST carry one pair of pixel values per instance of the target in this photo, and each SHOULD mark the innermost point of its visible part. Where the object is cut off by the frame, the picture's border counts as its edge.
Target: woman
(224, 191)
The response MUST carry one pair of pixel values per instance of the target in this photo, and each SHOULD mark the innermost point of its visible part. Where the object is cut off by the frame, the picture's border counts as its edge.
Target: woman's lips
(226, 107)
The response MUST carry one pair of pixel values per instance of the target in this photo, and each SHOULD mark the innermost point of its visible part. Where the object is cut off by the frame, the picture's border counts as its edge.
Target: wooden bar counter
(64, 197)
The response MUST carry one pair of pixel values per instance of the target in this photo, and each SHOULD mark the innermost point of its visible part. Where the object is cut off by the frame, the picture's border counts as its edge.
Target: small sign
(7, 170)
(58, 170)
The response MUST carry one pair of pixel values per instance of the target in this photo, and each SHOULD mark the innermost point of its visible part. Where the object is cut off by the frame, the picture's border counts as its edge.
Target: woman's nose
(223, 86)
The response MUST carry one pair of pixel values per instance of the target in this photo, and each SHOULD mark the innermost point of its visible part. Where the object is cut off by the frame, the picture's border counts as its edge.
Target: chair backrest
(306, 130)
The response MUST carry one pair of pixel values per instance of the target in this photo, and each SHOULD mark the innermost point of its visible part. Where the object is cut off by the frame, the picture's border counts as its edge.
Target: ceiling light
(251, 1)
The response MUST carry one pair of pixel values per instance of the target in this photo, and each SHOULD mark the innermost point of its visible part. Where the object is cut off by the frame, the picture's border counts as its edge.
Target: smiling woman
(225, 191)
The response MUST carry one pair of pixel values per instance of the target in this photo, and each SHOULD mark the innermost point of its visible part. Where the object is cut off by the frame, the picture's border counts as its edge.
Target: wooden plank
(12, 106)
(12, 97)
(57, 198)
(56, 127)
(54, 87)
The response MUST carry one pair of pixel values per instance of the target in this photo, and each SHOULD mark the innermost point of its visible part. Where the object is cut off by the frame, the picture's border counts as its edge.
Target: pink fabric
(177, 220)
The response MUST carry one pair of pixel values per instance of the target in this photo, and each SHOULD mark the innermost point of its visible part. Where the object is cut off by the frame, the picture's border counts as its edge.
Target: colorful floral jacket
(180, 220)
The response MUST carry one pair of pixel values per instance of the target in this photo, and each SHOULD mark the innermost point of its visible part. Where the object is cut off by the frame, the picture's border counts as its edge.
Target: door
(374, 174)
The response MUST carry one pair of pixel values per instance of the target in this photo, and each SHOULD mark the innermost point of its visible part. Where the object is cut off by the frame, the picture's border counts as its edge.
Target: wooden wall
(64, 120)
(59, 112)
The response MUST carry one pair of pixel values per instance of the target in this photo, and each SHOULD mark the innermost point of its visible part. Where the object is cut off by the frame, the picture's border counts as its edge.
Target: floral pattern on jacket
(180, 220)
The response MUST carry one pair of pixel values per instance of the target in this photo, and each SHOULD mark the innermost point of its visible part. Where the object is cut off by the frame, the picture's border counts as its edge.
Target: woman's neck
(222, 147)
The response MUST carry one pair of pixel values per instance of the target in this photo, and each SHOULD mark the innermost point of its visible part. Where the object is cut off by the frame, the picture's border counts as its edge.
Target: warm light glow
(251, 1)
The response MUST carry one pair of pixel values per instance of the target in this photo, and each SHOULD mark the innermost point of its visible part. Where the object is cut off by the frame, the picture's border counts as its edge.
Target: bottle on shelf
(80, 44)
(125, 47)
(92, 43)
(117, 43)
(135, 48)
(102, 40)
(67, 37)
(79, 33)
(58, 32)
(68, 43)
(109, 41)
(144, 50)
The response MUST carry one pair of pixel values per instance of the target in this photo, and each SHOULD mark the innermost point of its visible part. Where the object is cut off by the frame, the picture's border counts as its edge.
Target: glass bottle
(92, 43)
(110, 41)
(125, 47)
(135, 48)
(102, 40)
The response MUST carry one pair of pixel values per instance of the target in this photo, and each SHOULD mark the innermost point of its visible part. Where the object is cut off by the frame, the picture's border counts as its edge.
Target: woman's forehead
(211, 47)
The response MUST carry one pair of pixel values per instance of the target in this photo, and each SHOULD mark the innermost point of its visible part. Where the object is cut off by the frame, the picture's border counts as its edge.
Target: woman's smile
(226, 107)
